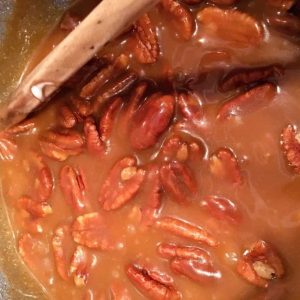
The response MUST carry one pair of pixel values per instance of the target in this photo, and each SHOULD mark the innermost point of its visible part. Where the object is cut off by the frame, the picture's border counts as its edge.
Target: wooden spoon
(104, 23)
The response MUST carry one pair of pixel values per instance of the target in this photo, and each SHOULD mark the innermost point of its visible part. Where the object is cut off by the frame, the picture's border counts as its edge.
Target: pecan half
(149, 286)
(245, 103)
(224, 165)
(146, 48)
(151, 120)
(281, 4)
(222, 208)
(44, 181)
(152, 190)
(260, 264)
(92, 231)
(35, 208)
(27, 126)
(59, 145)
(80, 266)
(58, 245)
(190, 107)
(107, 120)
(122, 184)
(111, 71)
(290, 142)
(74, 187)
(8, 148)
(182, 18)
(176, 149)
(194, 269)
(231, 25)
(186, 230)
(241, 77)
(178, 180)
(188, 252)
(66, 117)
(94, 143)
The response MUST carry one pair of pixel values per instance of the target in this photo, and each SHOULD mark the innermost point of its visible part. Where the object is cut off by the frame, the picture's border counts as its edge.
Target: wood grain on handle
(104, 23)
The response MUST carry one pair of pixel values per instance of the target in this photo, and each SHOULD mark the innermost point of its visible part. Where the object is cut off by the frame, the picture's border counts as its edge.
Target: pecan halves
(153, 191)
(122, 184)
(224, 165)
(231, 25)
(178, 181)
(111, 71)
(146, 48)
(186, 230)
(250, 101)
(94, 142)
(151, 120)
(92, 231)
(80, 266)
(66, 117)
(34, 208)
(195, 269)
(241, 77)
(260, 264)
(8, 148)
(58, 245)
(74, 187)
(188, 252)
(149, 286)
(281, 4)
(182, 18)
(290, 142)
(107, 120)
(27, 126)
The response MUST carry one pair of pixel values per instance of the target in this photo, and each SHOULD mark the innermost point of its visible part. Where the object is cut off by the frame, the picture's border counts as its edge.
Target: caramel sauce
(267, 199)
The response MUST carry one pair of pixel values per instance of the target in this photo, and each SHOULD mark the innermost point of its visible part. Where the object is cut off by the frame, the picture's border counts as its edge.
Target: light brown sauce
(268, 200)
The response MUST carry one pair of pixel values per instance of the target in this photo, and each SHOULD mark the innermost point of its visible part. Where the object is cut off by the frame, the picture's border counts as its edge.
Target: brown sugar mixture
(169, 166)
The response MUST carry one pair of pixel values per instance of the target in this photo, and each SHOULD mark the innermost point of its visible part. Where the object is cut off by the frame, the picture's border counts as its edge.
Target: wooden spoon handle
(104, 23)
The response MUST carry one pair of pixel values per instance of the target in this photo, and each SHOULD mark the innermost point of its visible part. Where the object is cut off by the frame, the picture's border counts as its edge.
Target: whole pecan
(231, 25)
(146, 48)
(196, 270)
(110, 72)
(74, 187)
(222, 208)
(80, 266)
(107, 119)
(151, 120)
(260, 264)
(224, 165)
(149, 286)
(182, 18)
(59, 245)
(35, 208)
(122, 184)
(241, 77)
(290, 142)
(252, 100)
(178, 180)
(94, 142)
(91, 230)
(186, 230)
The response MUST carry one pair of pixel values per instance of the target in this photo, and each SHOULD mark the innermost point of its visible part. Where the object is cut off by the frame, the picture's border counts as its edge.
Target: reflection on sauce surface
(170, 190)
